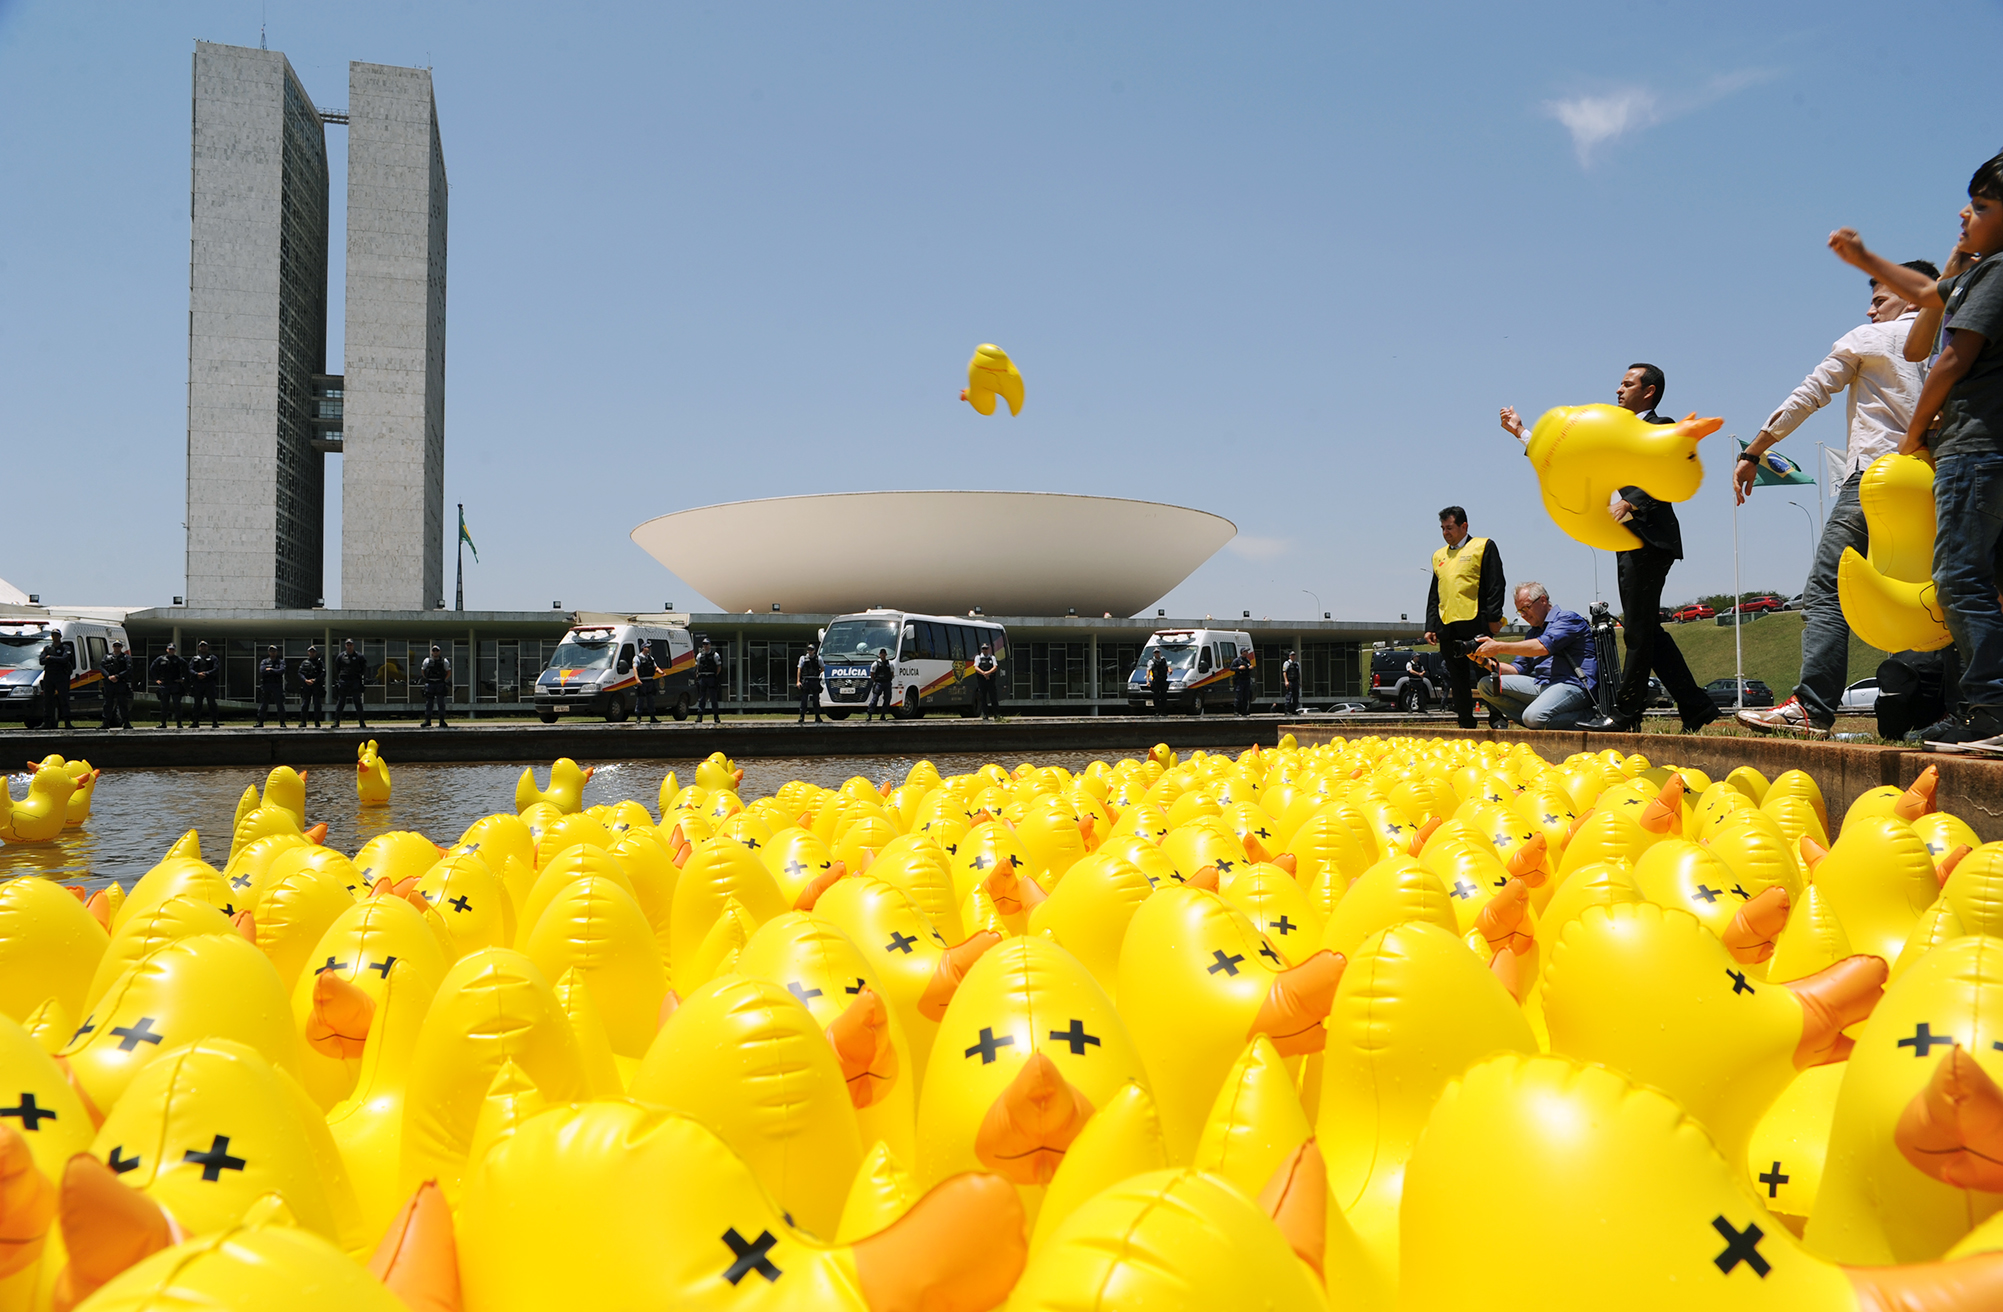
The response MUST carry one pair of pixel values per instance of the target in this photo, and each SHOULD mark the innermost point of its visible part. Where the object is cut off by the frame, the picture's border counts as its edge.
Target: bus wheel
(910, 709)
(681, 711)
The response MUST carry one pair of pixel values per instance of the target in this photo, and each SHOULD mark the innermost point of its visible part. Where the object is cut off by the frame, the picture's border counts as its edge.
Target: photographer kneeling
(1549, 683)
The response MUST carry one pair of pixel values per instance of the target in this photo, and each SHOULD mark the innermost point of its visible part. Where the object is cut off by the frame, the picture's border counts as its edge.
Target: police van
(934, 656)
(1199, 668)
(592, 672)
(23, 639)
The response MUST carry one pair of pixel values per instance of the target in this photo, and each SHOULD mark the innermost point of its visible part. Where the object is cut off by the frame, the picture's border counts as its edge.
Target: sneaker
(1790, 718)
(1981, 733)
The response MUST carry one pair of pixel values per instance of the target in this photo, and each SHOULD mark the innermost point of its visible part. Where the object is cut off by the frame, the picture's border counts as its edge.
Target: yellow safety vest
(1458, 570)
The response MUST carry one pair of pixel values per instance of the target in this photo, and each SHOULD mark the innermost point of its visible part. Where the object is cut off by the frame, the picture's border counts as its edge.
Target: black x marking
(988, 1045)
(33, 1116)
(84, 1028)
(801, 991)
(331, 965)
(1464, 890)
(130, 1037)
(1708, 893)
(900, 942)
(1922, 1041)
(1226, 963)
(749, 1255)
(1266, 950)
(857, 987)
(120, 1165)
(383, 966)
(983, 861)
(1740, 1246)
(1226, 867)
(1076, 1037)
(1740, 890)
(1773, 1180)
(460, 903)
(794, 868)
(215, 1159)
(1739, 984)
(239, 881)
(1284, 925)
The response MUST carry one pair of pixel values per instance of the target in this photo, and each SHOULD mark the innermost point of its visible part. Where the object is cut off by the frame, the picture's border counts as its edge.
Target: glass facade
(302, 350)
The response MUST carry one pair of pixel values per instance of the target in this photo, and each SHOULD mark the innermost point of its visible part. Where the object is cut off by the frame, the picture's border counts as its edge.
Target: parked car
(1861, 697)
(1347, 706)
(1723, 693)
(1794, 602)
(1392, 681)
(1760, 605)
(1696, 610)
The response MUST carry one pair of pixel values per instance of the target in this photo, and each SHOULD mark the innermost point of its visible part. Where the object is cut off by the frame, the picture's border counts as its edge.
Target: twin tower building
(263, 407)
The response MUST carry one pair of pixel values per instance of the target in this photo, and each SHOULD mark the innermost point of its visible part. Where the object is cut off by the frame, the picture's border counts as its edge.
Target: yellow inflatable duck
(1584, 454)
(990, 374)
(653, 1210)
(49, 947)
(565, 791)
(77, 810)
(1572, 1140)
(371, 774)
(44, 813)
(1889, 596)
(263, 1263)
(718, 773)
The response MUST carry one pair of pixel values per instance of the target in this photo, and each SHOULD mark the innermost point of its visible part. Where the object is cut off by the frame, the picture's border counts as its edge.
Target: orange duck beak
(1025, 1134)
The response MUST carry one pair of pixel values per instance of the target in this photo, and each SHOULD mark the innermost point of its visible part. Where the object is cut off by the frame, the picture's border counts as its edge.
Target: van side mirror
(625, 667)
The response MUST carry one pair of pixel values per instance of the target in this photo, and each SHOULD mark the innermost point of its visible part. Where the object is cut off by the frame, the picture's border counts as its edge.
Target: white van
(1199, 668)
(23, 639)
(591, 672)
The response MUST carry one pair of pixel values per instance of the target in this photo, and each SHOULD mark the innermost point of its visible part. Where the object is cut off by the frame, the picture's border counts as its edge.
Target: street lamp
(1811, 530)
(1317, 600)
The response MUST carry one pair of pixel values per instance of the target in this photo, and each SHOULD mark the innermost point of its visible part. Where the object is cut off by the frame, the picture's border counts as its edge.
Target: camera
(1463, 649)
(1601, 615)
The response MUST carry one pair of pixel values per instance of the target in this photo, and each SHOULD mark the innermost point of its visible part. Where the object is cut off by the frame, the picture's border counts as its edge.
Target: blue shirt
(1569, 639)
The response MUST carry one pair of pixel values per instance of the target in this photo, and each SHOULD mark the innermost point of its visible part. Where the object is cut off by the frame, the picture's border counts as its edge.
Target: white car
(1861, 697)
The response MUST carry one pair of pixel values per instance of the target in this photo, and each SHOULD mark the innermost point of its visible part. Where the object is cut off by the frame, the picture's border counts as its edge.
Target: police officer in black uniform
(116, 667)
(807, 678)
(204, 682)
(1290, 679)
(708, 677)
(271, 685)
(881, 675)
(1158, 681)
(987, 673)
(351, 671)
(169, 673)
(313, 687)
(59, 662)
(649, 673)
(436, 675)
(1241, 683)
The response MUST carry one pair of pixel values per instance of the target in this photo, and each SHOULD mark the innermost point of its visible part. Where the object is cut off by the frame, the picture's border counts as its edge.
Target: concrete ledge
(479, 743)
(1970, 787)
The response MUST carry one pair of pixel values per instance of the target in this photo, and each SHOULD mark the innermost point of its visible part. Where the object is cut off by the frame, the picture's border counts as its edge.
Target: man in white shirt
(1869, 361)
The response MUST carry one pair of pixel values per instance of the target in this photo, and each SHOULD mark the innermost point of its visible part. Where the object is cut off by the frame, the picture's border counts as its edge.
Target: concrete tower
(393, 460)
(257, 332)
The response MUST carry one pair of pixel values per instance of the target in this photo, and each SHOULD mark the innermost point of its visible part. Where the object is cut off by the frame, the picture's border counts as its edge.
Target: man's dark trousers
(705, 696)
(1460, 670)
(344, 693)
(1642, 574)
(55, 702)
(204, 693)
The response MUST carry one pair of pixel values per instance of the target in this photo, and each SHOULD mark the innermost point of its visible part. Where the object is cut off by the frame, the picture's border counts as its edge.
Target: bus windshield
(1180, 656)
(582, 654)
(21, 649)
(860, 639)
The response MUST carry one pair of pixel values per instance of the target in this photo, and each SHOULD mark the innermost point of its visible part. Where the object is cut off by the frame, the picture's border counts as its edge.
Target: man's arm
(1494, 589)
(1433, 611)
(1512, 424)
(1912, 286)
(1955, 361)
(1532, 647)
(1836, 372)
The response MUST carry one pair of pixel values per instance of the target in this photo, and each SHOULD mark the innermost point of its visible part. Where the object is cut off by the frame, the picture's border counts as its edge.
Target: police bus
(933, 654)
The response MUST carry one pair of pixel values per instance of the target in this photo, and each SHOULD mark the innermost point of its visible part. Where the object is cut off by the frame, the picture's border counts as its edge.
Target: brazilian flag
(1774, 468)
(464, 536)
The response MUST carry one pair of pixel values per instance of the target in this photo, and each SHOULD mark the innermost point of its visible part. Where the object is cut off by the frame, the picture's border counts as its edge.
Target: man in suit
(1642, 572)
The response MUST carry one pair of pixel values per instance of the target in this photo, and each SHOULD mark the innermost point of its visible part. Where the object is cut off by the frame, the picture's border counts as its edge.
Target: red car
(1696, 610)
(1760, 605)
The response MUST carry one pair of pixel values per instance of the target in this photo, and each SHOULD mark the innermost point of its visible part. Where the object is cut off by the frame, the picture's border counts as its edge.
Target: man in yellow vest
(1464, 604)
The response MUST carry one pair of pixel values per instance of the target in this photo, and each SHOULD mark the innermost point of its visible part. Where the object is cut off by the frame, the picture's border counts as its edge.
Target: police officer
(436, 675)
(649, 673)
(204, 680)
(807, 678)
(116, 668)
(169, 673)
(1241, 682)
(351, 671)
(881, 674)
(1158, 681)
(313, 687)
(708, 677)
(59, 662)
(271, 685)
(1290, 680)
(986, 675)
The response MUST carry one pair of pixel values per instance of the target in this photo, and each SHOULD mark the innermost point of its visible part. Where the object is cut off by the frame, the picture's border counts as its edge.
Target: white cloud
(1258, 548)
(1597, 119)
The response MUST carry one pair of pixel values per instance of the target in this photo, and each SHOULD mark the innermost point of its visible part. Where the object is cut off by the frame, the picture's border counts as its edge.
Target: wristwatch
(1748, 454)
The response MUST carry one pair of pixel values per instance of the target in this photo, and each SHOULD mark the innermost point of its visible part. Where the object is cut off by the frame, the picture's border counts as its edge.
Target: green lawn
(1772, 651)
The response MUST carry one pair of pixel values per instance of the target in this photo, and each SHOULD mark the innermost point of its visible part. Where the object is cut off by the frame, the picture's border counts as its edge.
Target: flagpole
(461, 545)
(1738, 616)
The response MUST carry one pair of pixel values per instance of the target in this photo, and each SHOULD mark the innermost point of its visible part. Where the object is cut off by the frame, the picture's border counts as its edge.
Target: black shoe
(1956, 733)
(1612, 724)
(425, 725)
(1696, 724)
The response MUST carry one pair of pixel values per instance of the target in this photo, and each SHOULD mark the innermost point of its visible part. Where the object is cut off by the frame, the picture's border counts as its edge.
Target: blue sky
(1282, 263)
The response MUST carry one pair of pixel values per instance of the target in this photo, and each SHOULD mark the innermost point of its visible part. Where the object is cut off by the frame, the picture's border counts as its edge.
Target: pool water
(137, 814)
